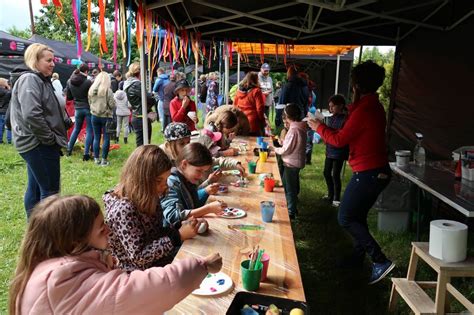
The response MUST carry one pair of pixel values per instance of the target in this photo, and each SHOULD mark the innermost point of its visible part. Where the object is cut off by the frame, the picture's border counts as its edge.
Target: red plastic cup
(268, 184)
(265, 262)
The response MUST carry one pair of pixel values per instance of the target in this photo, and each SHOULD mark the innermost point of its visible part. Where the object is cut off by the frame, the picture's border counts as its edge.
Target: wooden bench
(412, 291)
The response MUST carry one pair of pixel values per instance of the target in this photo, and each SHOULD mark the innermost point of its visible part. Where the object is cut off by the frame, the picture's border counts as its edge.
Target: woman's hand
(216, 207)
(231, 136)
(314, 124)
(214, 176)
(213, 263)
(212, 189)
(230, 152)
(188, 229)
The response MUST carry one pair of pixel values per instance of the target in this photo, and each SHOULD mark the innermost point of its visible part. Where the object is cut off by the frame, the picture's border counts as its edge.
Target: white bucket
(403, 157)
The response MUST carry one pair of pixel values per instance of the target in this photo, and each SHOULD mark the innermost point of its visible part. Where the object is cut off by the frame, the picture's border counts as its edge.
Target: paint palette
(233, 213)
(214, 284)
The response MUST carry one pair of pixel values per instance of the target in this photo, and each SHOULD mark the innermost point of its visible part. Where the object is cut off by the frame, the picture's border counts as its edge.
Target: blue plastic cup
(259, 140)
(268, 209)
(264, 145)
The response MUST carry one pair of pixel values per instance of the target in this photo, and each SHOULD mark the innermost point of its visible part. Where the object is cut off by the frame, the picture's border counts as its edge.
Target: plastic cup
(265, 262)
(259, 140)
(251, 278)
(268, 184)
(263, 156)
(252, 167)
(267, 209)
(192, 115)
(264, 145)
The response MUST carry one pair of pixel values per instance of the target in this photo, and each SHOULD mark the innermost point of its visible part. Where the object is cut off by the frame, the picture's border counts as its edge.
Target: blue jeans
(80, 115)
(166, 121)
(137, 124)
(98, 124)
(359, 196)
(291, 183)
(161, 114)
(2, 127)
(43, 169)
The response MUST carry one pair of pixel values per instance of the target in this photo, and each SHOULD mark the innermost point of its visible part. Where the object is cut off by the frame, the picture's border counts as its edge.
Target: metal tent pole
(238, 68)
(337, 74)
(143, 88)
(226, 82)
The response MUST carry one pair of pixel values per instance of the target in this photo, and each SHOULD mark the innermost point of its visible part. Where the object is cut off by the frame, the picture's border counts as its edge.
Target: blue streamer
(159, 48)
(129, 33)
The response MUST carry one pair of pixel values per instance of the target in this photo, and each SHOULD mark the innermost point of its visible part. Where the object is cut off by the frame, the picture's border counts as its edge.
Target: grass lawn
(318, 237)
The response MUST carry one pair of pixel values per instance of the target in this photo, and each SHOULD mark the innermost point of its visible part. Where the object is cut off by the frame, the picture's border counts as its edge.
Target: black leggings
(332, 174)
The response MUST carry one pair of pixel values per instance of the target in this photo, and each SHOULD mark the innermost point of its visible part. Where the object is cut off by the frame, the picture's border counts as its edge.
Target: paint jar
(403, 157)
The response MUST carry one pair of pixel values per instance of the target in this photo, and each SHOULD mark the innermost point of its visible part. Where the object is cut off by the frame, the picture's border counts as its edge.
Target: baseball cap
(266, 66)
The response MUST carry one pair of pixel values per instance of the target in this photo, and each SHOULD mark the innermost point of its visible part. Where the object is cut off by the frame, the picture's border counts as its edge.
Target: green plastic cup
(251, 278)
(252, 167)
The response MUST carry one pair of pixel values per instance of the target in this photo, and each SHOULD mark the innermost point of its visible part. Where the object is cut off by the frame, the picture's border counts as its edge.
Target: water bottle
(419, 152)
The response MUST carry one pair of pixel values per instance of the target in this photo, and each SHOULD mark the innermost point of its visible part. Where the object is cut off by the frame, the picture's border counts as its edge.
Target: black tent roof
(67, 50)
(329, 22)
(12, 45)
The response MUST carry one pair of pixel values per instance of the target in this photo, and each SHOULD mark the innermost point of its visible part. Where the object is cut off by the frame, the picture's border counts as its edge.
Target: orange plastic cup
(268, 184)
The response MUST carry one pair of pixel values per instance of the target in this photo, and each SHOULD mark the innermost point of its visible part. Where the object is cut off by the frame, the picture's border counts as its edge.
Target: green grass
(318, 237)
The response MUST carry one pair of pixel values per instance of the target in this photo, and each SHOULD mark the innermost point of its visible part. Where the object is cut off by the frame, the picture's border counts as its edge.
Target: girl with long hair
(249, 99)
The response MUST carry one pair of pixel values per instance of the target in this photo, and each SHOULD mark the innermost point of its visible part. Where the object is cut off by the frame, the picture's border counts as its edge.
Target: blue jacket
(296, 91)
(160, 83)
(182, 197)
(337, 122)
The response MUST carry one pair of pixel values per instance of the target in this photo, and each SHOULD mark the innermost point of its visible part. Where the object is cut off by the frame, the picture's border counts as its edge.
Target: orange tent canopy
(301, 50)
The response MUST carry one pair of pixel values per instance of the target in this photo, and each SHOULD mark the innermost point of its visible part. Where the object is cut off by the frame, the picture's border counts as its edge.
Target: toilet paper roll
(448, 240)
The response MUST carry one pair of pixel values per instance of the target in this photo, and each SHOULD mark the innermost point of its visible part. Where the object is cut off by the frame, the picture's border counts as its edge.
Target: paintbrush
(259, 257)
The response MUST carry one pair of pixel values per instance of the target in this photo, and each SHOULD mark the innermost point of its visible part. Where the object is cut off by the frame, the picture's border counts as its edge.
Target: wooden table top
(283, 278)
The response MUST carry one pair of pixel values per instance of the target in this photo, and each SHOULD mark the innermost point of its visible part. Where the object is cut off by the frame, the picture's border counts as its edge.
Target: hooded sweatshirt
(162, 80)
(293, 149)
(296, 91)
(251, 102)
(84, 284)
(121, 102)
(102, 105)
(77, 89)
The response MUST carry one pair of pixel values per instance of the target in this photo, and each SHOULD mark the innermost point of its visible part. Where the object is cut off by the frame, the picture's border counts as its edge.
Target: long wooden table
(284, 278)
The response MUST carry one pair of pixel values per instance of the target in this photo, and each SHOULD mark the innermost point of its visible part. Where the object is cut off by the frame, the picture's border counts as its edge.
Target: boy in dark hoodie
(77, 89)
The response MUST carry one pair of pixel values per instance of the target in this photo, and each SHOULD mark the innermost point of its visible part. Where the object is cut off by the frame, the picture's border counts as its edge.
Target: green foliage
(26, 33)
(386, 60)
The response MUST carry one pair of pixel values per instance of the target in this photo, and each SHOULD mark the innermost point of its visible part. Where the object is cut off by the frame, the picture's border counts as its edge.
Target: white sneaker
(97, 161)
(104, 162)
(336, 203)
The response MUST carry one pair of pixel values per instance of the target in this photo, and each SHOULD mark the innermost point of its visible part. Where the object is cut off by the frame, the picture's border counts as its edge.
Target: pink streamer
(114, 54)
(78, 29)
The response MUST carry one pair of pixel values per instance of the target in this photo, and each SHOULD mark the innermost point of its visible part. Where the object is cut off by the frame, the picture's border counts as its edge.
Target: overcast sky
(16, 13)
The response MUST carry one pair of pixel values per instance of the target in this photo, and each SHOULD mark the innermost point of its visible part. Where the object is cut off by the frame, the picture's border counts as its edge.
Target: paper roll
(448, 240)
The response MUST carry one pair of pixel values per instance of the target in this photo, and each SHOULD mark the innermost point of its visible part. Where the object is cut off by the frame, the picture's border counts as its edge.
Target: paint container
(403, 157)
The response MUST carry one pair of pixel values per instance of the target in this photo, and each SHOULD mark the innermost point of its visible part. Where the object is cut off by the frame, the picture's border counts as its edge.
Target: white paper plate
(233, 213)
(214, 284)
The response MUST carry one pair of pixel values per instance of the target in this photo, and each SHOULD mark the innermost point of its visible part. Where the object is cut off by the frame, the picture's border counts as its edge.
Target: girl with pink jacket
(64, 267)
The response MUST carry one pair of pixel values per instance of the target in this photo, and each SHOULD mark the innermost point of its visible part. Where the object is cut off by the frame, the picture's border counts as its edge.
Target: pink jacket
(293, 150)
(85, 285)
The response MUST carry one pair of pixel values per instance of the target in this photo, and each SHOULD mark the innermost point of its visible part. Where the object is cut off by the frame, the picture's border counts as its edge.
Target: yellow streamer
(123, 28)
(88, 25)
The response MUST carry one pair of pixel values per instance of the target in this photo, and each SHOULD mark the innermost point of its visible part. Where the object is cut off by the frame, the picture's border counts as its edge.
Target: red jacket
(364, 132)
(179, 114)
(252, 104)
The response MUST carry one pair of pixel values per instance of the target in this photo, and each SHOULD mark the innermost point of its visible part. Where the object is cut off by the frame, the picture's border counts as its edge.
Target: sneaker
(97, 161)
(125, 140)
(327, 199)
(380, 270)
(336, 203)
(104, 162)
(86, 157)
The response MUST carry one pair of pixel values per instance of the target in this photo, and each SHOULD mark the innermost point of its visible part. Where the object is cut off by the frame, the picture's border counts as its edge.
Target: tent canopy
(292, 50)
(12, 45)
(328, 22)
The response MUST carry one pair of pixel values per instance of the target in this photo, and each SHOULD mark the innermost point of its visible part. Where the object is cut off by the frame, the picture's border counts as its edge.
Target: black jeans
(137, 124)
(291, 183)
(332, 174)
(279, 117)
(359, 196)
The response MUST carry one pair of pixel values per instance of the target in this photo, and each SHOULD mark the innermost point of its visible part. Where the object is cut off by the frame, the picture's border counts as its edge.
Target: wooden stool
(412, 291)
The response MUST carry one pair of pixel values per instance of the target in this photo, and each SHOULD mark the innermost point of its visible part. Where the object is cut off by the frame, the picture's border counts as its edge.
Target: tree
(26, 33)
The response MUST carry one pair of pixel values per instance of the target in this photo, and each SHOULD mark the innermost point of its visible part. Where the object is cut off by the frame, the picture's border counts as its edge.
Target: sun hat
(182, 84)
(214, 136)
(176, 131)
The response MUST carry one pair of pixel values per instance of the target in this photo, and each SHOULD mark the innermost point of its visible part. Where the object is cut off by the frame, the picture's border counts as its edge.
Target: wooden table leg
(393, 299)
(412, 265)
(441, 292)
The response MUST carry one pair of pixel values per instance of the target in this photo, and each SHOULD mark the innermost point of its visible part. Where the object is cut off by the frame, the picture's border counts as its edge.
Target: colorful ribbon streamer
(116, 16)
(103, 39)
(123, 28)
(76, 16)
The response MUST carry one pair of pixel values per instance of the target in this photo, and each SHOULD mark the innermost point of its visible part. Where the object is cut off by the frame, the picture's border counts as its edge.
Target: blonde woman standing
(39, 125)
(101, 101)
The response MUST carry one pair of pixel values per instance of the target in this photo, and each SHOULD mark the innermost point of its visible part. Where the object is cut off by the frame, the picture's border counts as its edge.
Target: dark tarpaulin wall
(434, 92)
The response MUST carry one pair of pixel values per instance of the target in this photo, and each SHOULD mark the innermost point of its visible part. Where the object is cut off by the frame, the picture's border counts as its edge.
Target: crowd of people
(75, 260)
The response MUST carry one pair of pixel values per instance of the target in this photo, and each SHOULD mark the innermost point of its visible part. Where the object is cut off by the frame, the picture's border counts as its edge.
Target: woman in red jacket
(364, 132)
(182, 108)
(249, 99)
